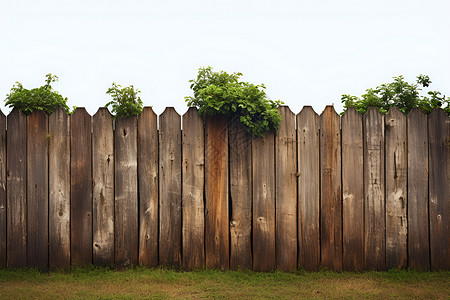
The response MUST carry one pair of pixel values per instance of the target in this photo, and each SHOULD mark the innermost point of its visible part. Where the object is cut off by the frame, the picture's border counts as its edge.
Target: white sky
(305, 52)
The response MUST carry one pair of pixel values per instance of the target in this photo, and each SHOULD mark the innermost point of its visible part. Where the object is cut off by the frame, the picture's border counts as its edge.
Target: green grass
(92, 282)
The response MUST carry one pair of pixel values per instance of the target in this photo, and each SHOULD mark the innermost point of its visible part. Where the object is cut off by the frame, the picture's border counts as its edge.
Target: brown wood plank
(216, 189)
(80, 188)
(193, 226)
(126, 193)
(352, 191)
(37, 190)
(439, 183)
(374, 203)
(16, 201)
(418, 238)
(286, 191)
(396, 192)
(240, 148)
(148, 187)
(59, 189)
(103, 188)
(308, 189)
(330, 199)
(170, 188)
(2, 190)
(263, 163)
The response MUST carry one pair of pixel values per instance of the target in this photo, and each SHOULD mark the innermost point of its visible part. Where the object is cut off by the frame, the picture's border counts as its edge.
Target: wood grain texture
(308, 189)
(16, 179)
(216, 189)
(396, 191)
(439, 183)
(37, 190)
(240, 148)
(352, 191)
(330, 183)
(374, 203)
(126, 193)
(59, 189)
(170, 188)
(148, 187)
(80, 188)
(263, 161)
(286, 192)
(418, 238)
(103, 187)
(193, 227)
(2, 190)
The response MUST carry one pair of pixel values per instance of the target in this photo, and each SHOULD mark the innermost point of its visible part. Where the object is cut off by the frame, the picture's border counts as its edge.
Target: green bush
(126, 101)
(220, 93)
(43, 98)
(401, 94)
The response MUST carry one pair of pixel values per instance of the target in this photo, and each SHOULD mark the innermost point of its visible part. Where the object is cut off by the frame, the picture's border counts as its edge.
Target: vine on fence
(43, 98)
(220, 93)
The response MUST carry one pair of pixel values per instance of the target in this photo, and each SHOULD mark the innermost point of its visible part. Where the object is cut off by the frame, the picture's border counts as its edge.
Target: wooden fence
(347, 193)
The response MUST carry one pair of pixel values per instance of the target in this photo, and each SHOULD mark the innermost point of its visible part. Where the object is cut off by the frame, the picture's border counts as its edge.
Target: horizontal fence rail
(350, 192)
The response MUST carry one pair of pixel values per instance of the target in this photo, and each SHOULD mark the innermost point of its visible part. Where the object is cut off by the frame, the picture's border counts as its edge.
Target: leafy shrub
(126, 101)
(43, 98)
(401, 94)
(220, 93)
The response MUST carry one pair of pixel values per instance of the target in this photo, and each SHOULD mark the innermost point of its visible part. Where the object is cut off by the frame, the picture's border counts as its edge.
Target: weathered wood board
(418, 238)
(103, 187)
(59, 189)
(352, 191)
(286, 191)
(148, 187)
(263, 203)
(240, 148)
(2, 190)
(37, 190)
(16, 180)
(396, 161)
(217, 245)
(330, 183)
(308, 189)
(126, 193)
(80, 187)
(170, 188)
(439, 186)
(374, 203)
(193, 166)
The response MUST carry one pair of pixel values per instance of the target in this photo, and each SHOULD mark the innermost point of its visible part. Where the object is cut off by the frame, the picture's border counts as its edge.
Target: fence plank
(80, 188)
(374, 205)
(2, 190)
(308, 189)
(286, 192)
(126, 193)
(193, 226)
(439, 164)
(37, 190)
(216, 188)
(330, 180)
(170, 188)
(103, 187)
(148, 187)
(59, 188)
(263, 203)
(240, 148)
(396, 193)
(418, 239)
(352, 191)
(16, 201)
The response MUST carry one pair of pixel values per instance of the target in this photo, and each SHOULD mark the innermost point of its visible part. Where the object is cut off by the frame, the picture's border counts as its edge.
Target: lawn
(91, 282)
